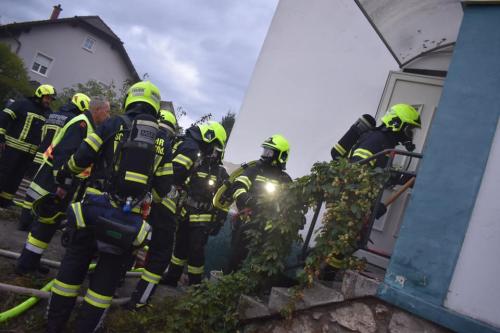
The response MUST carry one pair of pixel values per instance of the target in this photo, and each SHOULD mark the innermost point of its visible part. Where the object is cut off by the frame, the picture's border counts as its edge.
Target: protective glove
(245, 200)
(64, 178)
(381, 210)
(400, 178)
(410, 146)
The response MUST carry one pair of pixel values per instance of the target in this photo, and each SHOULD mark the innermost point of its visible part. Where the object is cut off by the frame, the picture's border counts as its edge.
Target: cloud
(200, 53)
(182, 76)
(186, 121)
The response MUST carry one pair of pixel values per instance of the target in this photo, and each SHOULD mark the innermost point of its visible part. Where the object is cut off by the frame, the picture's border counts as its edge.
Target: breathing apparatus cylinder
(365, 123)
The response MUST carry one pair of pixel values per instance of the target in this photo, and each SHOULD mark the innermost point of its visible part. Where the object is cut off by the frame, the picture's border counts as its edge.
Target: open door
(424, 93)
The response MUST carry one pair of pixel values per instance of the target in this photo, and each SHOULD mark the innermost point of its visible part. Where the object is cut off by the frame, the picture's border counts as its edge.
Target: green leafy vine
(348, 191)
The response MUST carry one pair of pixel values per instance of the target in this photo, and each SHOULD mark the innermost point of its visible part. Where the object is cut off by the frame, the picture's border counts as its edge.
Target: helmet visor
(217, 153)
(267, 153)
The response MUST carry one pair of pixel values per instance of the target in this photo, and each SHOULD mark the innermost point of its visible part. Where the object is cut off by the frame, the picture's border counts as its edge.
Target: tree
(181, 112)
(14, 80)
(228, 122)
(94, 88)
(203, 119)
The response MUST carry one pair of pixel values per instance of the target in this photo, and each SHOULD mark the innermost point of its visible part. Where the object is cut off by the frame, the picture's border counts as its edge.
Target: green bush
(14, 80)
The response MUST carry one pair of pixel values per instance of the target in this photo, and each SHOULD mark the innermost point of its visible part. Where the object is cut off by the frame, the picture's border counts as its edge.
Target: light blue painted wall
(457, 150)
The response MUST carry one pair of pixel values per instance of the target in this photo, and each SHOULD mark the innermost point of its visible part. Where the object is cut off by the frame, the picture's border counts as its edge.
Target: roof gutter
(18, 44)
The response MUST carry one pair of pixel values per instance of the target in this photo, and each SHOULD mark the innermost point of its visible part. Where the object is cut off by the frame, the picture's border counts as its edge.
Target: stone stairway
(347, 306)
(353, 285)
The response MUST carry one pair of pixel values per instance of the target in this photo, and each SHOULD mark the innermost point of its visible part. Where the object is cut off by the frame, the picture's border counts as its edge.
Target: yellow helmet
(45, 89)
(278, 144)
(143, 91)
(400, 115)
(212, 132)
(168, 120)
(81, 101)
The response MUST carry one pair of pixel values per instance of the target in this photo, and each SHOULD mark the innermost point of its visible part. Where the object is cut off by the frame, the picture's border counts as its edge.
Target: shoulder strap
(126, 119)
(358, 143)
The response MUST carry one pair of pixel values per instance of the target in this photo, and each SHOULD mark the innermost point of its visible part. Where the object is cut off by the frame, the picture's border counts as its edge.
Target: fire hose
(44, 292)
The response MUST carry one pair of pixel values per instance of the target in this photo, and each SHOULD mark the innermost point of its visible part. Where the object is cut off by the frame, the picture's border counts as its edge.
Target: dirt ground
(33, 320)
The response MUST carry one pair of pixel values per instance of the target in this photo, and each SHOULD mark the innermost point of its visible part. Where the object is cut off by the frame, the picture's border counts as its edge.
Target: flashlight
(270, 187)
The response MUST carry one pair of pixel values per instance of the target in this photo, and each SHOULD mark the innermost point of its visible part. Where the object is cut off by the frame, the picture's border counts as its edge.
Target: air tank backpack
(134, 159)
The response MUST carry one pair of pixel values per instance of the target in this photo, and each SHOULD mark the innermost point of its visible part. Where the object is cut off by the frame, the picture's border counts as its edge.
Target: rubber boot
(29, 262)
(194, 279)
(58, 312)
(141, 295)
(172, 276)
(89, 319)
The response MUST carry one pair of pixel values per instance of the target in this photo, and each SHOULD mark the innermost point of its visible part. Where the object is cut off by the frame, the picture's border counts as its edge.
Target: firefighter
(50, 209)
(168, 125)
(398, 125)
(20, 134)
(55, 121)
(254, 189)
(189, 150)
(134, 158)
(198, 219)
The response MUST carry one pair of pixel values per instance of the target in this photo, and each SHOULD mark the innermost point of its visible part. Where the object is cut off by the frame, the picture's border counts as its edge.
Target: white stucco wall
(320, 68)
(72, 64)
(474, 288)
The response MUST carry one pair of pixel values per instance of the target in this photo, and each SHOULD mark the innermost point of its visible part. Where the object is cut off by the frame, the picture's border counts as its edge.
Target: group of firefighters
(117, 183)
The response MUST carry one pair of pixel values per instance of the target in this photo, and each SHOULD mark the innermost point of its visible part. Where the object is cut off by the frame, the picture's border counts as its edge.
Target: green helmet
(81, 101)
(400, 115)
(143, 91)
(45, 89)
(213, 132)
(280, 145)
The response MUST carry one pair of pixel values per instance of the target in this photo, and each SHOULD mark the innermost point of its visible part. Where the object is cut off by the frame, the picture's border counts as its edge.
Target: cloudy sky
(200, 53)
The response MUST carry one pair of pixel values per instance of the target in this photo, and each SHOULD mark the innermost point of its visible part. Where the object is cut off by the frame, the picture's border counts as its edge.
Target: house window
(89, 44)
(41, 64)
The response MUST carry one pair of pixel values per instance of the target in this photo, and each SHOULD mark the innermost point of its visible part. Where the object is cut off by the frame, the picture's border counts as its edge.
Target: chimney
(55, 12)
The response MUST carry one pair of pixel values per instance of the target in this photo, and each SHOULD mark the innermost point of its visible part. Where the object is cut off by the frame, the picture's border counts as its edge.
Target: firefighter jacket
(372, 142)
(200, 189)
(186, 156)
(59, 151)
(257, 183)
(21, 125)
(101, 146)
(54, 123)
(187, 153)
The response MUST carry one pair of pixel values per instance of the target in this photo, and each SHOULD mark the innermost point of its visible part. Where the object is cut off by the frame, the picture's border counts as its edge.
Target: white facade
(66, 45)
(320, 68)
(474, 288)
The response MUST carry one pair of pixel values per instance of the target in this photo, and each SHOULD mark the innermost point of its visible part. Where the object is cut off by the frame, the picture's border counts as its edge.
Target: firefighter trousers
(13, 165)
(190, 241)
(163, 223)
(74, 266)
(42, 229)
(239, 247)
(41, 185)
